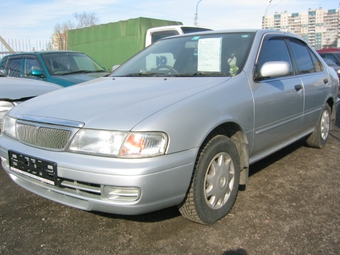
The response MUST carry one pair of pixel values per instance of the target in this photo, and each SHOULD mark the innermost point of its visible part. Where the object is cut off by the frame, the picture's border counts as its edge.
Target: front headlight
(119, 144)
(8, 127)
(144, 145)
(5, 106)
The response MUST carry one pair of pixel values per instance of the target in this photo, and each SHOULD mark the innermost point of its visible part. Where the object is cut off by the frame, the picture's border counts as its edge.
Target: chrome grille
(42, 136)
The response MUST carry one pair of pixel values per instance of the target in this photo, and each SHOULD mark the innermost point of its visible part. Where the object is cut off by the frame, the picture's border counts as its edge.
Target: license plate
(39, 169)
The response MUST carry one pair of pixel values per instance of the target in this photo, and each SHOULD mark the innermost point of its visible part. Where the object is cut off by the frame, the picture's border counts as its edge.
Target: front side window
(191, 55)
(30, 64)
(274, 49)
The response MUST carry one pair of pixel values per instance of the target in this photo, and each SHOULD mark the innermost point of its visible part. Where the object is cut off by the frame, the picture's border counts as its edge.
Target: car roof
(260, 32)
(42, 52)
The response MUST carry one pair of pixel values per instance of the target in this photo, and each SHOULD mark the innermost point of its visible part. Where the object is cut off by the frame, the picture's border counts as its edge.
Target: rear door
(13, 66)
(314, 78)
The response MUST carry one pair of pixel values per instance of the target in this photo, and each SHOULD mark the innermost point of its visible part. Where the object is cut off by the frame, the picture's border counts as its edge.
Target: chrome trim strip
(51, 121)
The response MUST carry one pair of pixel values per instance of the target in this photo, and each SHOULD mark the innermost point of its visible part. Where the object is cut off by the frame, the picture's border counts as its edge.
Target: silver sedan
(177, 124)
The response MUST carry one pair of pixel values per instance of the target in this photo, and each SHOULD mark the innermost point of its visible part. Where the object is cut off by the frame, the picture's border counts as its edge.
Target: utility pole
(269, 2)
(265, 13)
(196, 14)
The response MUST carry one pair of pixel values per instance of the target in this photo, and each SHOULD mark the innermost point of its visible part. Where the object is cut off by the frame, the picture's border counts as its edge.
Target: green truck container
(113, 43)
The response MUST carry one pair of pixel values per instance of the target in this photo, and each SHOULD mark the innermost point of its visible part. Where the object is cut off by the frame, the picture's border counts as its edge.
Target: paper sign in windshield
(209, 55)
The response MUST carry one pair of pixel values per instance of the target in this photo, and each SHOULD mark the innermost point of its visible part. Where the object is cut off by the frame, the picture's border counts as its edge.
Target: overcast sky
(36, 19)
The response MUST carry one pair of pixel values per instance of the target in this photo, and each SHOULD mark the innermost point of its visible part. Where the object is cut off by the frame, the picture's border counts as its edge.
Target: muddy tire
(215, 182)
(319, 137)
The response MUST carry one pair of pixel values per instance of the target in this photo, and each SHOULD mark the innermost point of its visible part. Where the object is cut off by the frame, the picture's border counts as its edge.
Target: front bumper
(87, 181)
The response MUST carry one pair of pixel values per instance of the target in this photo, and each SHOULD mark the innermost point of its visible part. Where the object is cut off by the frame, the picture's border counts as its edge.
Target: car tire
(215, 182)
(319, 137)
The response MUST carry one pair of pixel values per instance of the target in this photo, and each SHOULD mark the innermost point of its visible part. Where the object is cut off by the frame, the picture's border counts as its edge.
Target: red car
(331, 53)
(331, 57)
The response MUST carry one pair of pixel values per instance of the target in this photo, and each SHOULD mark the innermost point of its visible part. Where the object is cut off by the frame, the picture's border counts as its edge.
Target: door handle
(325, 80)
(298, 87)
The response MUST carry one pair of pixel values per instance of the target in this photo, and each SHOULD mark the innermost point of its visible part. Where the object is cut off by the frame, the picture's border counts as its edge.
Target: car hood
(71, 79)
(115, 103)
(16, 89)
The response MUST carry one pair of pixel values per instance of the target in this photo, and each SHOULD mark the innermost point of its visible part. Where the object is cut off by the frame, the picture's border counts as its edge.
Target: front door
(279, 102)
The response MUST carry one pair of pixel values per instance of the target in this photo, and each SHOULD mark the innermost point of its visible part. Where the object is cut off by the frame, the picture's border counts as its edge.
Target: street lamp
(196, 14)
(265, 13)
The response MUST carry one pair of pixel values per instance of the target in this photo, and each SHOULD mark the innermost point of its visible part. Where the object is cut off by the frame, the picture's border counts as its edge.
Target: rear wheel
(215, 182)
(320, 135)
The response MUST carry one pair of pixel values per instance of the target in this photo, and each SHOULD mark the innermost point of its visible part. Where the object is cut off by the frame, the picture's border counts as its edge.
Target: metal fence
(20, 45)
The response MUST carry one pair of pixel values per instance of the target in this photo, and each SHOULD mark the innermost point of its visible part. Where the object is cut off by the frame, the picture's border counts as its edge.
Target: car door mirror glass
(37, 72)
(274, 69)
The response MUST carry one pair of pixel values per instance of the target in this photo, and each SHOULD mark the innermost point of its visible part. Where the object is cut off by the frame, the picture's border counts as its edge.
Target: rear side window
(13, 67)
(306, 61)
(3, 63)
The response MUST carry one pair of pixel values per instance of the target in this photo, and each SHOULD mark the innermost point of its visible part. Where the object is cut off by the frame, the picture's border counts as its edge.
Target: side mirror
(274, 69)
(37, 72)
(114, 67)
(3, 72)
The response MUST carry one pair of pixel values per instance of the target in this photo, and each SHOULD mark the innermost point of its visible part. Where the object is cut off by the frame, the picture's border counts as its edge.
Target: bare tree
(60, 38)
(60, 34)
(86, 20)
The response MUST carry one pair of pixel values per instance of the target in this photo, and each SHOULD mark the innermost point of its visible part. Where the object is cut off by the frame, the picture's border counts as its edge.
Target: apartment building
(321, 28)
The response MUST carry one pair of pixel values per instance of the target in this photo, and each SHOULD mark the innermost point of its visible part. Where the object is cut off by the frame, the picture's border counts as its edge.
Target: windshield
(192, 55)
(329, 62)
(62, 63)
(337, 56)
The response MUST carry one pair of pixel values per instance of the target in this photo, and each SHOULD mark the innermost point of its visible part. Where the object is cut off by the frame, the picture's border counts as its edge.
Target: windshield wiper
(17, 99)
(83, 71)
(143, 74)
(211, 74)
(201, 74)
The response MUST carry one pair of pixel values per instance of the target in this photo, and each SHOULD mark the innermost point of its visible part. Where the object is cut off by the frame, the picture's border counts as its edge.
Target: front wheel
(215, 182)
(320, 135)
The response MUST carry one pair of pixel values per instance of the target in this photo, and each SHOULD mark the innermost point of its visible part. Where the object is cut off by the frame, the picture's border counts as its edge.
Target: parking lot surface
(291, 206)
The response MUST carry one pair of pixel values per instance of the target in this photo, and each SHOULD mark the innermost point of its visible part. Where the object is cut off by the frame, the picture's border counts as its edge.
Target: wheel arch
(233, 131)
(332, 105)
